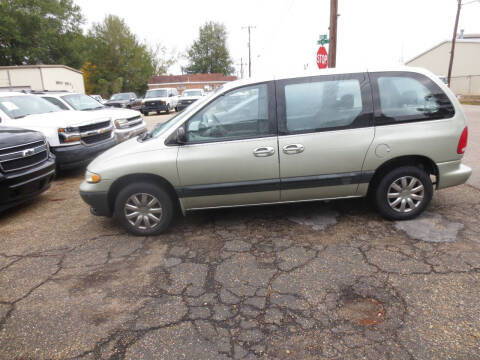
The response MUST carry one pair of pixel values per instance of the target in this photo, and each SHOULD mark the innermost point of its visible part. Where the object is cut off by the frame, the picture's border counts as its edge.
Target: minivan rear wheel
(144, 209)
(403, 193)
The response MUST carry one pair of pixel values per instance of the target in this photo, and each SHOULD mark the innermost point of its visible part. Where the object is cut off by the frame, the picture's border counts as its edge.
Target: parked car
(124, 100)
(26, 165)
(165, 99)
(75, 137)
(99, 98)
(128, 123)
(189, 97)
(391, 134)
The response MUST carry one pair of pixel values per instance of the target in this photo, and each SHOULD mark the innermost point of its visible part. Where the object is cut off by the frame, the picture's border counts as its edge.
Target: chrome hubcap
(405, 194)
(144, 211)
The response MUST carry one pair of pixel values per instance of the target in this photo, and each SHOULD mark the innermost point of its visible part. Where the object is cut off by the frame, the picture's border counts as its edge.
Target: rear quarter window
(405, 97)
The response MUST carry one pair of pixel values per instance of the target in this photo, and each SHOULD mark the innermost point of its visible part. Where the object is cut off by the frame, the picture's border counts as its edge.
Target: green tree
(209, 54)
(118, 58)
(40, 32)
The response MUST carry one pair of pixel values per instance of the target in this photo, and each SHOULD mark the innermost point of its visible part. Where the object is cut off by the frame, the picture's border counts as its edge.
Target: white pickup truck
(75, 137)
(128, 123)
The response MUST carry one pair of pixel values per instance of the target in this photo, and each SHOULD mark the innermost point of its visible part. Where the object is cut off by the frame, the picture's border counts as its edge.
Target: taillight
(462, 143)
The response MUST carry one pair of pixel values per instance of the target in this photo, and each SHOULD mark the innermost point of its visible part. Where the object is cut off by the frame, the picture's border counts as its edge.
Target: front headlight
(120, 123)
(69, 135)
(47, 145)
(92, 178)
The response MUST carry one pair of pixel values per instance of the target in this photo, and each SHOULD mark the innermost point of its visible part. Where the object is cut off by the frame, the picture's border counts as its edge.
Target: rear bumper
(452, 173)
(21, 186)
(98, 202)
(79, 155)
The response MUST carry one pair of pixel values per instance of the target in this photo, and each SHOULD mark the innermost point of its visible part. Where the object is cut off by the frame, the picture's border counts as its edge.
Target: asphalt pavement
(307, 281)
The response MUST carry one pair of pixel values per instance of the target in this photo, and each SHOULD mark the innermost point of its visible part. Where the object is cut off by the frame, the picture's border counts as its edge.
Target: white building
(466, 64)
(41, 77)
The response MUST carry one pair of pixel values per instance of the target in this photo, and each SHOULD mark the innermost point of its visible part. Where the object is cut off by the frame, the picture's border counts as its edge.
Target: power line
(249, 27)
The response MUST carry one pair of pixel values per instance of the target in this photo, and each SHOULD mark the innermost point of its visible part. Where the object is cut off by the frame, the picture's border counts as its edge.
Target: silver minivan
(392, 135)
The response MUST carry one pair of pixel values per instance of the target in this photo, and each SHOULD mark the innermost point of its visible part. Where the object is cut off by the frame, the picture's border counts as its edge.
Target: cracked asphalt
(307, 281)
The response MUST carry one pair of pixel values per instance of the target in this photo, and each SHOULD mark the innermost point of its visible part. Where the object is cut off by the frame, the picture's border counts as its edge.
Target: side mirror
(181, 136)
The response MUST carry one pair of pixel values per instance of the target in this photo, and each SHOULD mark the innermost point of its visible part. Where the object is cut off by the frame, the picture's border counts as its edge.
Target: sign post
(322, 56)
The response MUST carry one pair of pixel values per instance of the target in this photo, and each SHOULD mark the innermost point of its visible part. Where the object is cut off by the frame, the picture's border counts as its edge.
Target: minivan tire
(152, 192)
(392, 183)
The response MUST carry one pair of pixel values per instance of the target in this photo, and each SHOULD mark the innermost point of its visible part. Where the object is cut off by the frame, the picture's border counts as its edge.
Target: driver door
(231, 154)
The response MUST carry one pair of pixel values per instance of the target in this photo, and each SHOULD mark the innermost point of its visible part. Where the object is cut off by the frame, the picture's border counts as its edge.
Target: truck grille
(97, 138)
(134, 121)
(96, 126)
(23, 156)
(186, 102)
(153, 103)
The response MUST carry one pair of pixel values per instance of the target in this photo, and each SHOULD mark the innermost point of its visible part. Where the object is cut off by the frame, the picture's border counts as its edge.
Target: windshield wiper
(94, 108)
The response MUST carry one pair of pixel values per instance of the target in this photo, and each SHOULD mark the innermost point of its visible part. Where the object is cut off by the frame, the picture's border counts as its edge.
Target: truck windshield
(17, 107)
(192, 93)
(155, 94)
(123, 96)
(82, 102)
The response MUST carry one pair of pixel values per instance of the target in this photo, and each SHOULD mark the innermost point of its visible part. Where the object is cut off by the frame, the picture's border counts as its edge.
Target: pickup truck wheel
(176, 108)
(168, 109)
(144, 209)
(403, 193)
(145, 113)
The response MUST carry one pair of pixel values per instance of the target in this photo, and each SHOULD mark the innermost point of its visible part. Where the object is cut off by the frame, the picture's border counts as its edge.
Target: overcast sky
(370, 32)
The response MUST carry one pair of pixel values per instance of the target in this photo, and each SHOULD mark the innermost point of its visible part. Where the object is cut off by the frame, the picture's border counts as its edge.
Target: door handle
(293, 149)
(264, 151)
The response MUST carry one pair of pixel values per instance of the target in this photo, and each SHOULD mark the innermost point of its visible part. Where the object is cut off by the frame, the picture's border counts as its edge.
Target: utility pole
(241, 67)
(454, 38)
(332, 48)
(249, 27)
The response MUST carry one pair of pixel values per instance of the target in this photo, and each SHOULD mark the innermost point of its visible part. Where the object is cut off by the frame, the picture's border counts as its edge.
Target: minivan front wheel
(144, 209)
(403, 193)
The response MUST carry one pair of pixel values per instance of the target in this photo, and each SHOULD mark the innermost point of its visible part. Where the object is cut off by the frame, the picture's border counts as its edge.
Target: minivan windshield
(155, 93)
(160, 128)
(82, 102)
(17, 107)
(123, 96)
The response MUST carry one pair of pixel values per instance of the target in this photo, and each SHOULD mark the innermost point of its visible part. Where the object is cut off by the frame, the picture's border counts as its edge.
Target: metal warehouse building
(41, 77)
(466, 64)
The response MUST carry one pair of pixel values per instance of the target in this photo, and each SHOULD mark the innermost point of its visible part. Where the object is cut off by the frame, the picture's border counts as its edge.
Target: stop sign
(322, 58)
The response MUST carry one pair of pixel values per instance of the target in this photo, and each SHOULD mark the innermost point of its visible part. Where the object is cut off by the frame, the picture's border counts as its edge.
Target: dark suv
(26, 166)
(125, 100)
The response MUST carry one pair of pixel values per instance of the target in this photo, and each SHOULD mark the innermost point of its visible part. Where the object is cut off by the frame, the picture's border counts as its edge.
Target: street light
(452, 51)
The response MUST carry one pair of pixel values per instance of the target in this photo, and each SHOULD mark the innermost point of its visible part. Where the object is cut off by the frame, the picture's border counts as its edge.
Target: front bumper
(22, 186)
(452, 173)
(124, 134)
(98, 202)
(79, 155)
(156, 106)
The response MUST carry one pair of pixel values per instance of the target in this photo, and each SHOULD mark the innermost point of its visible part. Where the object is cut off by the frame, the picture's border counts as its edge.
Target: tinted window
(410, 97)
(56, 102)
(316, 105)
(241, 113)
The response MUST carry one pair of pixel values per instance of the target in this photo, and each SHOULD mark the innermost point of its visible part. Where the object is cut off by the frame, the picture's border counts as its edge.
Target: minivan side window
(404, 96)
(240, 113)
(324, 103)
